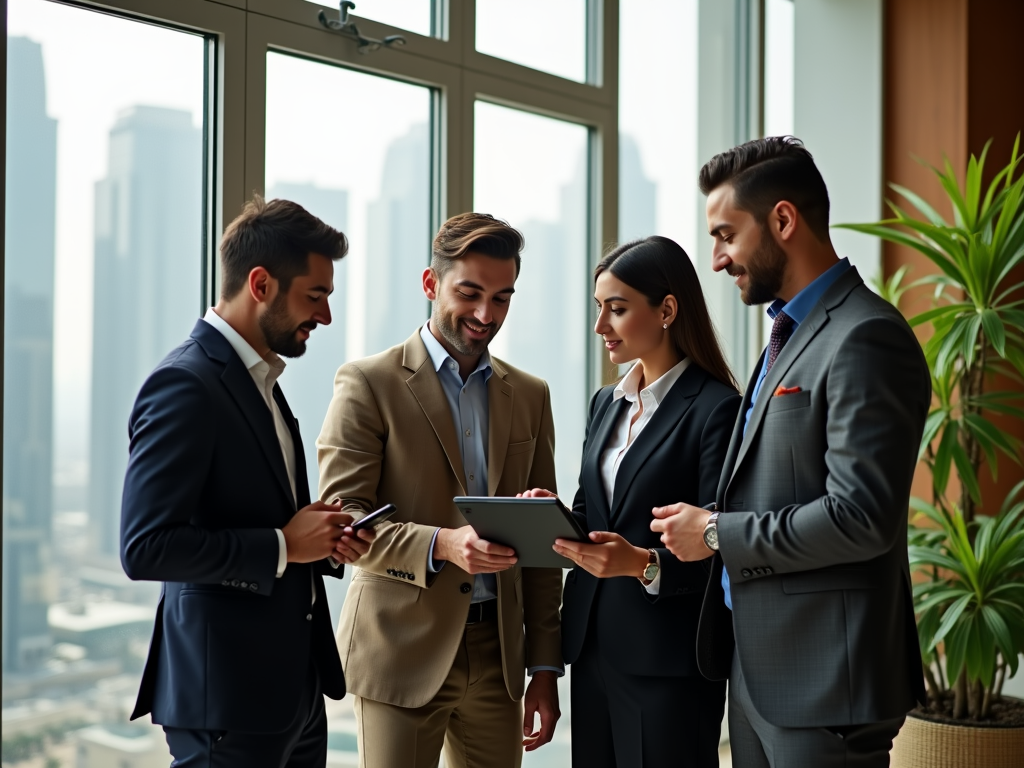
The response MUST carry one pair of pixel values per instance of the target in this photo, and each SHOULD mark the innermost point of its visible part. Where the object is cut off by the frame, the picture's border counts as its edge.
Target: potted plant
(969, 566)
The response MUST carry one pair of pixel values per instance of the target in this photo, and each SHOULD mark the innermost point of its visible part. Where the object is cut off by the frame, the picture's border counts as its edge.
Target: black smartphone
(375, 517)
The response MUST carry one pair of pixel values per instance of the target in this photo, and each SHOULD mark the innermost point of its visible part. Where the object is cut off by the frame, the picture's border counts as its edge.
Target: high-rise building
(28, 359)
(308, 381)
(146, 290)
(637, 193)
(398, 243)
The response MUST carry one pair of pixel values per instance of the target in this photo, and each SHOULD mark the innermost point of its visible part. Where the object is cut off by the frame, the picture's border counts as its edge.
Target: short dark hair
(279, 236)
(765, 171)
(478, 232)
(656, 267)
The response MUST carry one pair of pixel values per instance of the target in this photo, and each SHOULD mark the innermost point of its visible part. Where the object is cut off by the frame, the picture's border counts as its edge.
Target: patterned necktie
(782, 329)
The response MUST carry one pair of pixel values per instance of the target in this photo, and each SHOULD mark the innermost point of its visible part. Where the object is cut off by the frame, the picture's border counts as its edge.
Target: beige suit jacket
(389, 438)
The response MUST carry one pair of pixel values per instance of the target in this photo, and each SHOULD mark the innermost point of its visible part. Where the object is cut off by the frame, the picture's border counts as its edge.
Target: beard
(765, 271)
(279, 332)
(449, 328)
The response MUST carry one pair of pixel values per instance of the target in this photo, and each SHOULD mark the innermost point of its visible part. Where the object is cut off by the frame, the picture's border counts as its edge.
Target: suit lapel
(426, 388)
(677, 402)
(500, 397)
(301, 480)
(599, 436)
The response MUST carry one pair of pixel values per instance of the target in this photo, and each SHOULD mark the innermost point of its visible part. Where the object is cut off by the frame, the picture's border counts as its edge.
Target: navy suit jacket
(677, 457)
(205, 488)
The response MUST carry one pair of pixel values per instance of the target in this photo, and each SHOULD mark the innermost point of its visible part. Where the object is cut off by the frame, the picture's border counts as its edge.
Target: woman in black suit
(630, 608)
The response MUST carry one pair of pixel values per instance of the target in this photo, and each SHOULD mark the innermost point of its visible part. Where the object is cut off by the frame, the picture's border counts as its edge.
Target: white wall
(838, 113)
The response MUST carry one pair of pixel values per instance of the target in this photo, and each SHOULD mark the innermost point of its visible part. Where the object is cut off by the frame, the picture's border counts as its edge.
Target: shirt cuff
(432, 565)
(333, 563)
(557, 670)
(654, 587)
(282, 553)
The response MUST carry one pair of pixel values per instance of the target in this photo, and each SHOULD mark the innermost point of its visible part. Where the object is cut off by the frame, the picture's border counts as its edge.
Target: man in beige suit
(439, 626)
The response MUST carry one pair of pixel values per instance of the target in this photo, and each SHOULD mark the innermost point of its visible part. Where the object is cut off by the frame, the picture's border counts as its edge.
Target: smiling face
(630, 326)
(291, 316)
(471, 301)
(744, 248)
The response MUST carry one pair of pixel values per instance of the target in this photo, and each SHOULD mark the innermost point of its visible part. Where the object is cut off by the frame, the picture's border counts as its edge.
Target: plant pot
(927, 744)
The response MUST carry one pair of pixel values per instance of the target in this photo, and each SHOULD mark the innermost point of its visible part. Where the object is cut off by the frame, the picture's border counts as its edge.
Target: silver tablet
(529, 526)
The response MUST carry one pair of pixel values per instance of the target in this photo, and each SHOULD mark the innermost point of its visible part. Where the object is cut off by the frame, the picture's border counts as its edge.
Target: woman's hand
(535, 493)
(608, 555)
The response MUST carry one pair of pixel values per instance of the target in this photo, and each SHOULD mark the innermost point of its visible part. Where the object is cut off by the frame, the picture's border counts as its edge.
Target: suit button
(412, 577)
(244, 585)
(745, 573)
(253, 586)
(465, 588)
(234, 582)
(309, 617)
(225, 583)
(768, 571)
(759, 571)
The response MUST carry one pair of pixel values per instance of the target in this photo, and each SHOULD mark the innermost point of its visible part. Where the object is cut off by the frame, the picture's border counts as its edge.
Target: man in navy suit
(216, 506)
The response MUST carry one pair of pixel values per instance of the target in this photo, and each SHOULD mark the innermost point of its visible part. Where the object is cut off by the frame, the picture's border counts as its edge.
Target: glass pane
(532, 171)
(103, 265)
(658, 126)
(413, 15)
(779, 19)
(363, 166)
(540, 34)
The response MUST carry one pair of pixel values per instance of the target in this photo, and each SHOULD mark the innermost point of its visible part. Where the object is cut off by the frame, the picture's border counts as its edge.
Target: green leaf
(994, 330)
(944, 457)
(918, 202)
(931, 314)
(951, 616)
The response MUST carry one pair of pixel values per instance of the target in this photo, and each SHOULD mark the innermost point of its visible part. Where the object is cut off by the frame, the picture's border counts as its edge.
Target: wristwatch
(652, 569)
(711, 532)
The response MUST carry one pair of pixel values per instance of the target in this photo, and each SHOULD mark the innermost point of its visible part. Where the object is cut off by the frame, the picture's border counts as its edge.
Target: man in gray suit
(808, 609)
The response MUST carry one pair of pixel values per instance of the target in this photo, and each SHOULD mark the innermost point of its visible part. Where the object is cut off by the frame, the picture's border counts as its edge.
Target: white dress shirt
(625, 432)
(265, 373)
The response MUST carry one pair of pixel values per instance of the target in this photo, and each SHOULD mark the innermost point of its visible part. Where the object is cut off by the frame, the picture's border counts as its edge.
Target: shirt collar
(628, 387)
(250, 357)
(801, 305)
(439, 356)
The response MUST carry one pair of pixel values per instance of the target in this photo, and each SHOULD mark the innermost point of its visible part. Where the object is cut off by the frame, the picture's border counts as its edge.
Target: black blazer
(677, 457)
(205, 488)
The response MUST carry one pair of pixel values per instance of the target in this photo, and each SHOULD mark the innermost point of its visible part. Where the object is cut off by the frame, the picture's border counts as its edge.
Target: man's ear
(783, 220)
(431, 283)
(261, 285)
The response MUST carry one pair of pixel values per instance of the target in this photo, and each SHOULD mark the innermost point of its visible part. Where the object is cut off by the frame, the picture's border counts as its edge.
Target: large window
(136, 129)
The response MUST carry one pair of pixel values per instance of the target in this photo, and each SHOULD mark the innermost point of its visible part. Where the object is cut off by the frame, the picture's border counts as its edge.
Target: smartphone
(372, 519)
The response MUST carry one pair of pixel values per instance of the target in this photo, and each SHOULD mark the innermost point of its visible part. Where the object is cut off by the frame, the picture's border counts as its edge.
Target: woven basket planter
(924, 744)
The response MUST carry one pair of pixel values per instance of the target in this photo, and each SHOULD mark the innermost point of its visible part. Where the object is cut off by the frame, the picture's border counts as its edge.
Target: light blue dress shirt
(469, 403)
(797, 308)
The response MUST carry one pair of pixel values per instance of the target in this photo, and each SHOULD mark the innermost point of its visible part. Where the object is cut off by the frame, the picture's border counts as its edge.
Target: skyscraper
(146, 291)
(398, 243)
(637, 193)
(308, 381)
(28, 359)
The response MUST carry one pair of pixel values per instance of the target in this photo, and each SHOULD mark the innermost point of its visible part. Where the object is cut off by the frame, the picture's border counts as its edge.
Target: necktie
(782, 329)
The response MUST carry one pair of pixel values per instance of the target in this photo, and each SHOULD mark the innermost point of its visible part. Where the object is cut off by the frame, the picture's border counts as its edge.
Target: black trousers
(756, 743)
(302, 745)
(628, 721)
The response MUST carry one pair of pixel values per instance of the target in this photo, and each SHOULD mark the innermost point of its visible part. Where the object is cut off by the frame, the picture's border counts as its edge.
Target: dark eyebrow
(475, 287)
(611, 298)
(322, 289)
(717, 231)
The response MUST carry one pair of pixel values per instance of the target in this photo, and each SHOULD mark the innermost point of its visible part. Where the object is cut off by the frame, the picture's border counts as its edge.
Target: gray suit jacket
(814, 525)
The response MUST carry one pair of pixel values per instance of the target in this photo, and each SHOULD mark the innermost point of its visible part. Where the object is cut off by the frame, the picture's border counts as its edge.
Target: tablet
(529, 526)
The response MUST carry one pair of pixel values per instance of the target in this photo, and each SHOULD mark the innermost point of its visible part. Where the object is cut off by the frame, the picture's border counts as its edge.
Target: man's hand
(353, 544)
(609, 555)
(469, 552)
(313, 532)
(535, 493)
(682, 530)
(541, 699)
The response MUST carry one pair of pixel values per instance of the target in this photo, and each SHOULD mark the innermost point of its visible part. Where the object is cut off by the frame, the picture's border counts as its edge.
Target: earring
(665, 326)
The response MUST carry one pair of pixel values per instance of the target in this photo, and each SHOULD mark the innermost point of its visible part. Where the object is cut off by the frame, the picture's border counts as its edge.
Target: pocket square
(786, 391)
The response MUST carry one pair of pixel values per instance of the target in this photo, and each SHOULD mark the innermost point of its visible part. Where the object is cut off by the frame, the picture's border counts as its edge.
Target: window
(366, 172)
(412, 15)
(539, 34)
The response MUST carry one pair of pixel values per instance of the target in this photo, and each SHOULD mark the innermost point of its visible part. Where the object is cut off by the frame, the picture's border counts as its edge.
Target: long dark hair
(657, 267)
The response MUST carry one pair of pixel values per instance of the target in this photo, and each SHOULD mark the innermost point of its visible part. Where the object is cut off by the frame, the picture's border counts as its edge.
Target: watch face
(650, 572)
(711, 537)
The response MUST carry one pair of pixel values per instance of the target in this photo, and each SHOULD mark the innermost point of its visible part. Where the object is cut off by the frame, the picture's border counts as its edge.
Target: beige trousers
(472, 716)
